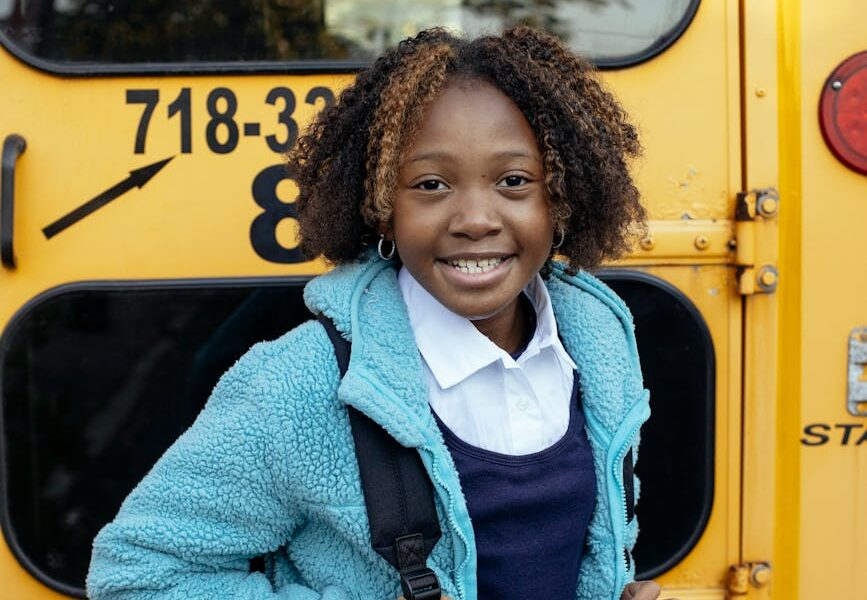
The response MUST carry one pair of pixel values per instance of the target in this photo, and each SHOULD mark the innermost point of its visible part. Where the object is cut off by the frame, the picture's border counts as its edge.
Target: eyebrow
(445, 156)
(518, 154)
(436, 155)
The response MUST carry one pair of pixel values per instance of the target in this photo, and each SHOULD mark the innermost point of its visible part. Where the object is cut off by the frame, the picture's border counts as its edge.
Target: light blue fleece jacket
(269, 465)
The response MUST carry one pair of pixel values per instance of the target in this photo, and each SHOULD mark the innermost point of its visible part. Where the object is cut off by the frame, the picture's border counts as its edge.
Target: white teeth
(469, 265)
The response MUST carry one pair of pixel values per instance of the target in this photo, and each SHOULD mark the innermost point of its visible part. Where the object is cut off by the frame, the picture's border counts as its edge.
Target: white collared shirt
(487, 398)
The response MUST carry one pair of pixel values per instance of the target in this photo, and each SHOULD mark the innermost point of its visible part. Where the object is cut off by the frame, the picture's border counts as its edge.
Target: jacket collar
(597, 331)
(385, 378)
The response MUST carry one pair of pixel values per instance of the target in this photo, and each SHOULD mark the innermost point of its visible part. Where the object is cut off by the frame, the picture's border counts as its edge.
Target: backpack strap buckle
(421, 584)
(417, 581)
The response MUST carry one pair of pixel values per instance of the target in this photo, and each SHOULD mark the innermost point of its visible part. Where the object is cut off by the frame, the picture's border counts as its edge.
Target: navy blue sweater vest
(530, 513)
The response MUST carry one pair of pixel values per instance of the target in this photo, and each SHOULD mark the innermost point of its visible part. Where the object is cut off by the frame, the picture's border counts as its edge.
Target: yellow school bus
(147, 238)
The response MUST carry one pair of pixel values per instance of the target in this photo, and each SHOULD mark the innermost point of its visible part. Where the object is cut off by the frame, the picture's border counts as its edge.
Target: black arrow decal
(137, 178)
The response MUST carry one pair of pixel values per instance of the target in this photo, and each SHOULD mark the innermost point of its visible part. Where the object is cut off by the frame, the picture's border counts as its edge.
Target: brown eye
(513, 180)
(431, 185)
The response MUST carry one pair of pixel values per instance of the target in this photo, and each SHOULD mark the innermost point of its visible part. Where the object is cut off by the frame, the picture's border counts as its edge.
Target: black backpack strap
(398, 494)
(342, 347)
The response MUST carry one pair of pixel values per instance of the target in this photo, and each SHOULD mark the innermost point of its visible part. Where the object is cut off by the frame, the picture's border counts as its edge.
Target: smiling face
(471, 218)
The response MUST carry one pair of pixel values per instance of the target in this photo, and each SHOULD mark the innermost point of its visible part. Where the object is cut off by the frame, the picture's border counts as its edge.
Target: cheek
(413, 240)
(413, 224)
(537, 227)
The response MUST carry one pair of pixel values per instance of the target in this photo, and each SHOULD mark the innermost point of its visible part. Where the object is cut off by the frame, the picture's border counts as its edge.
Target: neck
(508, 328)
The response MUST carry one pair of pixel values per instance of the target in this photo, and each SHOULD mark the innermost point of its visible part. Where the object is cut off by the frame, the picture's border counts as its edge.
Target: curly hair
(347, 163)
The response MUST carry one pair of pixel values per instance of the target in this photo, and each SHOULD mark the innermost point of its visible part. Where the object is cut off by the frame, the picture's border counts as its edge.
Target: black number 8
(263, 231)
(222, 118)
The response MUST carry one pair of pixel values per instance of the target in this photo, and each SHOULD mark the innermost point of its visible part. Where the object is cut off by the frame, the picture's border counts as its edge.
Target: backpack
(397, 493)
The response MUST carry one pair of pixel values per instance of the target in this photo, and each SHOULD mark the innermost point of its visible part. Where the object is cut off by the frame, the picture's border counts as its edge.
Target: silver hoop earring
(560, 243)
(382, 255)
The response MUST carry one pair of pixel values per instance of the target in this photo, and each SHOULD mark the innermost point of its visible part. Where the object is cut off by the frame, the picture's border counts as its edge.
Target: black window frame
(709, 425)
(607, 275)
(300, 67)
(6, 528)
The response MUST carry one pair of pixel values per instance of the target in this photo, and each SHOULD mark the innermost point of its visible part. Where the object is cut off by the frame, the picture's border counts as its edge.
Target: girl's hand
(642, 590)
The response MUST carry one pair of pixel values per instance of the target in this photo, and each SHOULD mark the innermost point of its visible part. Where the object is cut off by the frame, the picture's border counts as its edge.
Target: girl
(441, 184)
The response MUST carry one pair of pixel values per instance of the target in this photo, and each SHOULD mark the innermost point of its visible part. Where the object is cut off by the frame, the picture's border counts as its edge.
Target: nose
(475, 216)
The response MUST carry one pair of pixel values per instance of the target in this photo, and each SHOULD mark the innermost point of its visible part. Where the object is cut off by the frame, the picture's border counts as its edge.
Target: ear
(385, 230)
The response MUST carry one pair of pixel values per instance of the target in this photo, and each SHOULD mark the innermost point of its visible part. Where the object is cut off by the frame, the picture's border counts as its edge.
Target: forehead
(473, 115)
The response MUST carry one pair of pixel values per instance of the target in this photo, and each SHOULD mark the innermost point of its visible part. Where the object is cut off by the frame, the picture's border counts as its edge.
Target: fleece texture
(269, 465)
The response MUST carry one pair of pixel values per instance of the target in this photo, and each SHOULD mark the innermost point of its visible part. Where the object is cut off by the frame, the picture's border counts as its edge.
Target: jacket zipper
(616, 467)
(459, 583)
(618, 477)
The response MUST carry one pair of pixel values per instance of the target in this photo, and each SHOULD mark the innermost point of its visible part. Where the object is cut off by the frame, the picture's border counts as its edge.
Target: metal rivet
(647, 243)
(761, 92)
(760, 575)
(701, 242)
(767, 206)
(768, 278)
(836, 85)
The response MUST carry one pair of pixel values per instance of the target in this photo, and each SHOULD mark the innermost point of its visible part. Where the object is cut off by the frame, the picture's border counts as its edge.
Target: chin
(474, 314)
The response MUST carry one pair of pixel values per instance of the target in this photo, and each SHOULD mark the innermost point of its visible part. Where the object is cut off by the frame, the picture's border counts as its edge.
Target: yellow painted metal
(744, 578)
(690, 175)
(833, 301)
(686, 170)
(746, 243)
(191, 220)
(755, 236)
(685, 242)
(739, 581)
(760, 93)
(789, 375)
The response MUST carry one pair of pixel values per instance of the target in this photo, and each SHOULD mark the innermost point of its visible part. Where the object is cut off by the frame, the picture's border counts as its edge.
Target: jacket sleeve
(211, 503)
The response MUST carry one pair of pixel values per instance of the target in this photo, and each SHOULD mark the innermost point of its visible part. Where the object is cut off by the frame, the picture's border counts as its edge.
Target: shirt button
(522, 405)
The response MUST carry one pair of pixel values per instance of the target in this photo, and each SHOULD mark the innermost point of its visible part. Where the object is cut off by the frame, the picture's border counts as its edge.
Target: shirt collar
(454, 349)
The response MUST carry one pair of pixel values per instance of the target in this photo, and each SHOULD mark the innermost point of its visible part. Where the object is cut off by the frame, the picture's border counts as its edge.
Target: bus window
(54, 34)
(676, 466)
(97, 381)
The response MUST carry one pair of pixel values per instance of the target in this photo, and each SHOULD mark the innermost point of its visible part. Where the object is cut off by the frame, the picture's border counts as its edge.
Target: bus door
(148, 239)
(822, 451)
(682, 285)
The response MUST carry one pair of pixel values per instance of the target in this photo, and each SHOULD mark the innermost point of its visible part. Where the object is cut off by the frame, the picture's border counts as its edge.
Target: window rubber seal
(296, 67)
(709, 399)
(8, 531)
(662, 43)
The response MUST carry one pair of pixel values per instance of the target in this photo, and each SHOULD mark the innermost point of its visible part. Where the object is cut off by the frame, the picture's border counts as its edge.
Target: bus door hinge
(756, 241)
(746, 577)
